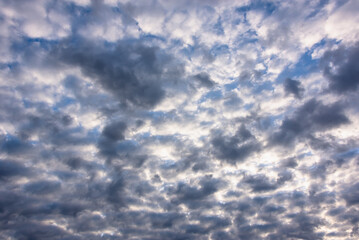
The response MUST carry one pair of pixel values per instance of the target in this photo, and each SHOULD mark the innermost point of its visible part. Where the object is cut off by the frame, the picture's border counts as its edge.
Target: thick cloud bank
(179, 119)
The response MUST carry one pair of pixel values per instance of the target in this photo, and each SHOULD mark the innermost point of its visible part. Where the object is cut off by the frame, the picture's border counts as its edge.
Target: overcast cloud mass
(186, 119)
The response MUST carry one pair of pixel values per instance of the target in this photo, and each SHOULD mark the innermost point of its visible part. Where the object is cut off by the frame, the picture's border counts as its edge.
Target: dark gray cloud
(232, 101)
(56, 127)
(312, 116)
(301, 226)
(114, 191)
(131, 71)
(234, 148)
(350, 194)
(204, 79)
(293, 87)
(112, 144)
(196, 197)
(340, 67)
(10, 107)
(76, 163)
(42, 187)
(261, 183)
(10, 168)
(13, 145)
(115, 131)
(38, 231)
(289, 163)
(320, 170)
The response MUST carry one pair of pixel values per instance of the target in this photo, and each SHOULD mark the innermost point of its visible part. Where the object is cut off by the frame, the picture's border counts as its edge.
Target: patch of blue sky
(211, 95)
(168, 164)
(159, 116)
(218, 27)
(267, 7)
(151, 37)
(64, 102)
(127, 146)
(248, 37)
(219, 49)
(27, 44)
(9, 65)
(248, 106)
(348, 154)
(231, 86)
(306, 64)
(269, 121)
(76, 10)
(265, 86)
(187, 51)
(94, 133)
(303, 67)
(317, 8)
(304, 155)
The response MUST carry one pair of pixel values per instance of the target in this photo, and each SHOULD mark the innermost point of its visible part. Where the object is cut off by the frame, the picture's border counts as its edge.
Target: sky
(169, 119)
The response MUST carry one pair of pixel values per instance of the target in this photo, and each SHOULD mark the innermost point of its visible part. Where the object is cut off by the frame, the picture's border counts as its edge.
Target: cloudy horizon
(179, 119)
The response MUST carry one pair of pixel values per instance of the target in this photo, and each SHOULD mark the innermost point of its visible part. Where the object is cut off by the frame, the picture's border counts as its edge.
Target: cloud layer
(179, 119)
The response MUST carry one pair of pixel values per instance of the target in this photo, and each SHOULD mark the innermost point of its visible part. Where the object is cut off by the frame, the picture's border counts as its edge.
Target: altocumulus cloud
(179, 119)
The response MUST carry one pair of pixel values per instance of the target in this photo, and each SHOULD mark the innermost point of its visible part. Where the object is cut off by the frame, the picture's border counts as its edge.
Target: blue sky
(179, 119)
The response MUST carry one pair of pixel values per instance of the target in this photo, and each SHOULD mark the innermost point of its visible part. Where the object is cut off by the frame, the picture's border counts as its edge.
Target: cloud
(42, 187)
(261, 183)
(204, 79)
(340, 67)
(289, 162)
(112, 144)
(132, 72)
(12, 145)
(312, 116)
(293, 87)
(195, 197)
(10, 168)
(115, 131)
(178, 120)
(350, 194)
(38, 231)
(234, 148)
